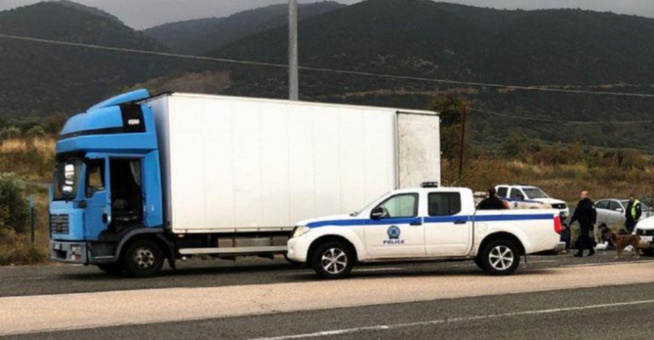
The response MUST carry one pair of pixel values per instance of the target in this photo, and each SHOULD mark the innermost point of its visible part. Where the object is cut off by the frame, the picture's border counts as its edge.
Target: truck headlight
(300, 230)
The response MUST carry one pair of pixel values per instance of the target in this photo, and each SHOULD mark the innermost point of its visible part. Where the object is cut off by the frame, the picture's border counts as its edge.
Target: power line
(544, 120)
(130, 50)
(326, 70)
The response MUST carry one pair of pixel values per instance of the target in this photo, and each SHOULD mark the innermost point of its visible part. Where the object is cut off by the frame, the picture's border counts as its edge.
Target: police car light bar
(429, 185)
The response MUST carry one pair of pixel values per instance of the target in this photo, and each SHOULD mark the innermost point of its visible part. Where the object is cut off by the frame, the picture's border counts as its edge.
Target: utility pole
(463, 137)
(293, 74)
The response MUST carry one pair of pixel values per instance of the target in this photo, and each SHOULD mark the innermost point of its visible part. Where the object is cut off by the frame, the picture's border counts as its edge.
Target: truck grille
(59, 224)
(645, 232)
(558, 206)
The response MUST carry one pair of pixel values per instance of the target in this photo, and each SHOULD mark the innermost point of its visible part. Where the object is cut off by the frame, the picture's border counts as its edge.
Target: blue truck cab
(104, 210)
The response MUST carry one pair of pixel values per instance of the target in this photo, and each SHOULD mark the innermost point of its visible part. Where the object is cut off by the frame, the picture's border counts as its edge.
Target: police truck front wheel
(500, 257)
(143, 258)
(332, 260)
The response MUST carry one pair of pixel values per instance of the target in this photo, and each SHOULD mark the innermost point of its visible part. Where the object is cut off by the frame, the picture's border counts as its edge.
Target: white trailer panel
(243, 164)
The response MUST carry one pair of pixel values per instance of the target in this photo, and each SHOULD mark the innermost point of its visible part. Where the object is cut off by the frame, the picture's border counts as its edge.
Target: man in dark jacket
(632, 213)
(586, 215)
(492, 202)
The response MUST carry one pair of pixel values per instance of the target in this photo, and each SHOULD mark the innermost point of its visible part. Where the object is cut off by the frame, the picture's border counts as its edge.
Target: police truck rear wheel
(332, 260)
(143, 259)
(500, 257)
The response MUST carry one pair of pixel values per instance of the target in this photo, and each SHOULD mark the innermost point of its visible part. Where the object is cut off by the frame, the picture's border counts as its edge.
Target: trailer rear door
(418, 148)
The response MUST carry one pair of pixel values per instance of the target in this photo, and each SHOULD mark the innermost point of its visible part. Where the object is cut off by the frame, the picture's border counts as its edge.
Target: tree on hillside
(451, 108)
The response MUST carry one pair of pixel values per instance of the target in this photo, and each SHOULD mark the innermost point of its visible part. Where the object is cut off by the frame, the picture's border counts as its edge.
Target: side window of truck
(403, 205)
(502, 191)
(94, 177)
(444, 203)
(516, 193)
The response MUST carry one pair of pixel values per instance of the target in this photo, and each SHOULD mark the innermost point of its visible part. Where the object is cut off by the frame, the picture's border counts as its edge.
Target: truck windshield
(534, 193)
(66, 180)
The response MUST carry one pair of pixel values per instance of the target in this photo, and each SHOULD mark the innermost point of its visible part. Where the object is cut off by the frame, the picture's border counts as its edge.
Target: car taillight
(557, 224)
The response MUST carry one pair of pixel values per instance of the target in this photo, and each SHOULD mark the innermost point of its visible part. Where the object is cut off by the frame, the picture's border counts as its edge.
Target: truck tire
(114, 269)
(500, 257)
(332, 260)
(142, 258)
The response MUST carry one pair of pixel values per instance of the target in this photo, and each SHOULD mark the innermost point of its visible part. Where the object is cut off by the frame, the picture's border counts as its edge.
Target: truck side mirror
(377, 213)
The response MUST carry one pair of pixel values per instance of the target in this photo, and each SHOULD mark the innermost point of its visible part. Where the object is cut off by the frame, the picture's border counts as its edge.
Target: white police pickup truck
(424, 223)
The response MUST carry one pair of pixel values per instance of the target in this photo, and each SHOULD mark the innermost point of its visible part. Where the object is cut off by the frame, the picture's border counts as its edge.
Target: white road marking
(453, 320)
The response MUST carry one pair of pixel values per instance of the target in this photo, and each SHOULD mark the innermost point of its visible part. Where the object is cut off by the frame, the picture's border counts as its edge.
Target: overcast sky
(146, 13)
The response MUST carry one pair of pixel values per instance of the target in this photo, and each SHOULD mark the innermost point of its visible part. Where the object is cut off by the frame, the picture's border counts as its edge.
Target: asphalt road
(597, 312)
(620, 312)
(61, 279)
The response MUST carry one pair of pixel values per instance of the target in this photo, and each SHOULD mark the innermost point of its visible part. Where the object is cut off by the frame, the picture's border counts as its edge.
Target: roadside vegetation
(26, 164)
(561, 170)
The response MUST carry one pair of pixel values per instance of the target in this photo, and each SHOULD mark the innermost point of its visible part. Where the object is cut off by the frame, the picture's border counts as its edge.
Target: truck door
(126, 193)
(418, 149)
(98, 202)
(397, 231)
(448, 229)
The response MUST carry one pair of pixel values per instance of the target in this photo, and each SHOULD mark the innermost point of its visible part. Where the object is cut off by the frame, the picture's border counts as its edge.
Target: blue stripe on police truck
(438, 219)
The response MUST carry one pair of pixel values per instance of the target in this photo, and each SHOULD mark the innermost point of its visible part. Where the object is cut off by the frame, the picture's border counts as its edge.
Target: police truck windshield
(534, 193)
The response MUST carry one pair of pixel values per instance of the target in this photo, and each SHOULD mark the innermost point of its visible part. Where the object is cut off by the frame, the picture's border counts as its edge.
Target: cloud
(146, 13)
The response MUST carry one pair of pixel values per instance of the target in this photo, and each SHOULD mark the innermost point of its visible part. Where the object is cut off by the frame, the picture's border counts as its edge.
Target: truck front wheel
(332, 260)
(143, 258)
(500, 257)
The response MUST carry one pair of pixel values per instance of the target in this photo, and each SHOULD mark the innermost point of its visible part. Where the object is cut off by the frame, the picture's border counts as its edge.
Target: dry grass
(31, 159)
(562, 181)
(16, 248)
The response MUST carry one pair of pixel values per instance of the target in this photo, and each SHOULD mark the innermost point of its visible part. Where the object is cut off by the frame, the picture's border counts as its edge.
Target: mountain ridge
(202, 35)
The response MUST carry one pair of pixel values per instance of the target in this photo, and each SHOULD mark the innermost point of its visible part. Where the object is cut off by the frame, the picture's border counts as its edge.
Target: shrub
(35, 131)
(14, 211)
(10, 132)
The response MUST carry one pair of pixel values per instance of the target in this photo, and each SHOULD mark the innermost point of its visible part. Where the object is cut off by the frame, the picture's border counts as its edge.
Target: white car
(514, 193)
(645, 228)
(425, 223)
(612, 211)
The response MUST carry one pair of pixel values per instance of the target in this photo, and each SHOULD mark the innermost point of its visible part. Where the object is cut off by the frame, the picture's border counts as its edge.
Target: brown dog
(622, 241)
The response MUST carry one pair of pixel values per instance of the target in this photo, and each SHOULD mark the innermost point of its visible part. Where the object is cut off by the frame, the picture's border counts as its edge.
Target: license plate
(56, 246)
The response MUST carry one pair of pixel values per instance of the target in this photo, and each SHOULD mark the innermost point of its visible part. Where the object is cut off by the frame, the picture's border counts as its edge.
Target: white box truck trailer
(183, 174)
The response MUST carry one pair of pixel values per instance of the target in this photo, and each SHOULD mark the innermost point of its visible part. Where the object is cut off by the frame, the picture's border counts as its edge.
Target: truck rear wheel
(143, 258)
(115, 269)
(500, 257)
(332, 260)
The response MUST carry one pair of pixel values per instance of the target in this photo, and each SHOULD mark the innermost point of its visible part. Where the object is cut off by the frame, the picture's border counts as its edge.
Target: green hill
(38, 79)
(203, 35)
(573, 49)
